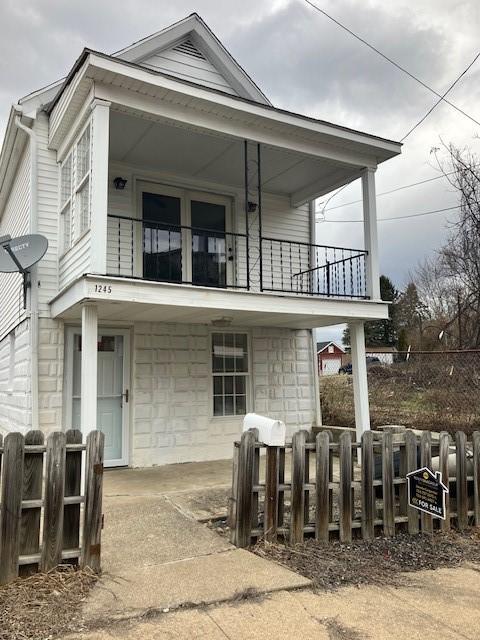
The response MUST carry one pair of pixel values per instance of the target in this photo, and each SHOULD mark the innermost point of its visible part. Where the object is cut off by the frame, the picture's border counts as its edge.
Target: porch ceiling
(195, 153)
(121, 300)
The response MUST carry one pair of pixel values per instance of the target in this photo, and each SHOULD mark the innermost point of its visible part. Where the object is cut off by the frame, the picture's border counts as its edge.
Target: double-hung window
(230, 370)
(75, 190)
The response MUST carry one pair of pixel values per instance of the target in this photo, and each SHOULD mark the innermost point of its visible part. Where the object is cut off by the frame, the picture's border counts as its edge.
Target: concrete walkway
(167, 576)
(156, 554)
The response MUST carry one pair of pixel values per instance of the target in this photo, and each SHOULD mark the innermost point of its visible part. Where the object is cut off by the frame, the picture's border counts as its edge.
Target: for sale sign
(426, 491)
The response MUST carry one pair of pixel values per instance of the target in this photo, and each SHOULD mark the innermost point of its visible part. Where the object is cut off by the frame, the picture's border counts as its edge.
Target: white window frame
(248, 375)
(77, 226)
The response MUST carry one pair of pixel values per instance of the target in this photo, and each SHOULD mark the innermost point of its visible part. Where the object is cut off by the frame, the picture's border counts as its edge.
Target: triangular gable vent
(188, 48)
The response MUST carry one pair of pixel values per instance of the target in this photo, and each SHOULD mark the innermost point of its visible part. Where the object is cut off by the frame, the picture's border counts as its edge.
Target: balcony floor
(129, 300)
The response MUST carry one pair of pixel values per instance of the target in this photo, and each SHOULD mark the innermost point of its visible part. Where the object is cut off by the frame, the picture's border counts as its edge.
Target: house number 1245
(103, 288)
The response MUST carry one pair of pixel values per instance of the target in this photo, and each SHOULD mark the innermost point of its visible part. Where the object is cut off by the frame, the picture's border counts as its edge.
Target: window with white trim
(230, 370)
(75, 190)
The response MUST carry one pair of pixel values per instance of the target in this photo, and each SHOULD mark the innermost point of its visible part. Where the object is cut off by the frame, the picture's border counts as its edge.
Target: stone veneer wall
(172, 399)
(15, 395)
(50, 374)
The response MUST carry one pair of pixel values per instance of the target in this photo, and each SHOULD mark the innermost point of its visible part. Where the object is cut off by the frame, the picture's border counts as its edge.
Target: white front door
(112, 390)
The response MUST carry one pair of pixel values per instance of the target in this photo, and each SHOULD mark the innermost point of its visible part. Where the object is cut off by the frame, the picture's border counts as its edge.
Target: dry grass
(417, 397)
(44, 606)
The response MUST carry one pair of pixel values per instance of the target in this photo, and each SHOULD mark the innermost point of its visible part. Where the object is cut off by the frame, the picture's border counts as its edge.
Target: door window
(209, 251)
(162, 237)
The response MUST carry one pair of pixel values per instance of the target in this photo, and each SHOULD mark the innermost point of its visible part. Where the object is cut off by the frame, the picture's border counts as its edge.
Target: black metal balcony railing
(176, 253)
(311, 269)
(190, 255)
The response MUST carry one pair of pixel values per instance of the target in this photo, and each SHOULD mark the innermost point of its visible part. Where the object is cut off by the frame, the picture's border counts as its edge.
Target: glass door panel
(162, 237)
(209, 250)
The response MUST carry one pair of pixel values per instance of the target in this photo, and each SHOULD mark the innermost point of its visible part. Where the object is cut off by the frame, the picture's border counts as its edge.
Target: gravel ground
(44, 605)
(379, 561)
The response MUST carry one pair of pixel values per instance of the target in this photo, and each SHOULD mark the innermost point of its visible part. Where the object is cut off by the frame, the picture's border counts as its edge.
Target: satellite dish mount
(17, 255)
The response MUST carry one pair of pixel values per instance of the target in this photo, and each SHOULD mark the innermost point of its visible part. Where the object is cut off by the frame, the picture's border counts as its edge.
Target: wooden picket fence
(42, 522)
(338, 499)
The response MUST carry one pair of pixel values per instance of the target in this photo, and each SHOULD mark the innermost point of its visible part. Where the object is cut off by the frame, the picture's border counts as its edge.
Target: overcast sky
(305, 63)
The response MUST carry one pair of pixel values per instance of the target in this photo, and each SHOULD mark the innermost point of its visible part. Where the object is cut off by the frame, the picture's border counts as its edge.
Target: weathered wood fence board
(45, 479)
(327, 496)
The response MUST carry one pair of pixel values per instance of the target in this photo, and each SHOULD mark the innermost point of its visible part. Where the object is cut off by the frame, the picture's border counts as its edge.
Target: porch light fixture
(251, 207)
(120, 183)
(224, 321)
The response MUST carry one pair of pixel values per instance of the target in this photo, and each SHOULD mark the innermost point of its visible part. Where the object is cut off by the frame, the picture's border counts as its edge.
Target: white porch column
(88, 398)
(99, 188)
(370, 233)
(360, 383)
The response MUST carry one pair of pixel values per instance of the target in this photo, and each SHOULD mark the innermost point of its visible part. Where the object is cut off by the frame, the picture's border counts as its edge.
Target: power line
(395, 64)
(435, 105)
(384, 193)
(411, 215)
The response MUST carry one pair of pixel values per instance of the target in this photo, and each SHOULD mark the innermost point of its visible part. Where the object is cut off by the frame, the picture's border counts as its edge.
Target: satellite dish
(19, 254)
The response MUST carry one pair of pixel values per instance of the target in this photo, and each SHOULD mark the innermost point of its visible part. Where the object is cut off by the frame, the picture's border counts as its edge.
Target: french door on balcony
(185, 236)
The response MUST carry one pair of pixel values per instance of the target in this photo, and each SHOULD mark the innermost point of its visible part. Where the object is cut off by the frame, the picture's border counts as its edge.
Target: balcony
(159, 252)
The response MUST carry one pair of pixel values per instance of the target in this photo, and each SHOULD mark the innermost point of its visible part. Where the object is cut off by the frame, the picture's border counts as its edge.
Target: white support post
(88, 401)
(371, 235)
(360, 382)
(99, 188)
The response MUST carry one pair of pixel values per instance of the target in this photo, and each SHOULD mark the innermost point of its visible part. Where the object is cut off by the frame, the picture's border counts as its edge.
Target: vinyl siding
(186, 62)
(15, 221)
(75, 262)
(48, 176)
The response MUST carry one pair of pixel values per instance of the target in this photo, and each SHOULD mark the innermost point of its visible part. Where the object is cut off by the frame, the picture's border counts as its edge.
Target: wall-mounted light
(120, 183)
(224, 321)
(251, 207)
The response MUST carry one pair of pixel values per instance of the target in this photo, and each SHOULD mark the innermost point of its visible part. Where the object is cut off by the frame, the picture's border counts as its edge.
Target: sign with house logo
(426, 491)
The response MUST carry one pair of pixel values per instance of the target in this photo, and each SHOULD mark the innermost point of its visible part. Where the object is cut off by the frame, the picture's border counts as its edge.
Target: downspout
(33, 311)
(316, 382)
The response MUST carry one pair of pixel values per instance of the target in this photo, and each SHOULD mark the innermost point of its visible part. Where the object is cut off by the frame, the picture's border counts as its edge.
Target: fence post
(322, 486)
(426, 461)
(73, 483)
(443, 453)
(411, 451)
(246, 461)
(271, 494)
(54, 493)
(476, 477)
(232, 509)
(32, 490)
(368, 490)
(403, 489)
(281, 492)
(12, 480)
(461, 475)
(388, 488)
(297, 493)
(345, 496)
(92, 525)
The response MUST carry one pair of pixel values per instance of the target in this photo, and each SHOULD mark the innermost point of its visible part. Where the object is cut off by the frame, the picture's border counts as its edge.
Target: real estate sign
(426, 491)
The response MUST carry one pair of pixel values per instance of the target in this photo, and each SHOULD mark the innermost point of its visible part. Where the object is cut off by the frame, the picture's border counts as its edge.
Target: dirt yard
(418, 397)
(382, 561)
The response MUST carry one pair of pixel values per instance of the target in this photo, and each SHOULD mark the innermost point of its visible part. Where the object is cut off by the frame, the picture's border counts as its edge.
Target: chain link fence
(435, 390)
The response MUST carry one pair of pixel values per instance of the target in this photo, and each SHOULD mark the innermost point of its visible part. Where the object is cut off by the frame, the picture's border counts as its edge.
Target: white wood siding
(75, 262)
(48, 177)
(186, 62)
(15, 221)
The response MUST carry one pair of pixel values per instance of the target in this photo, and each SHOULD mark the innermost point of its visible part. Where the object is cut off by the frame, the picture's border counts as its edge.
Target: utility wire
(384, 193)
(411, 215)
(395, 64)
(441, 99)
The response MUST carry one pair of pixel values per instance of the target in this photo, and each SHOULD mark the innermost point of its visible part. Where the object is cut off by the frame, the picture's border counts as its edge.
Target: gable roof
(321, 346)
(196, 42)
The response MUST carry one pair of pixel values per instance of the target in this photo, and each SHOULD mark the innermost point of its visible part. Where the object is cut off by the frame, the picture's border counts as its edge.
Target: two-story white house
(183, 276)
